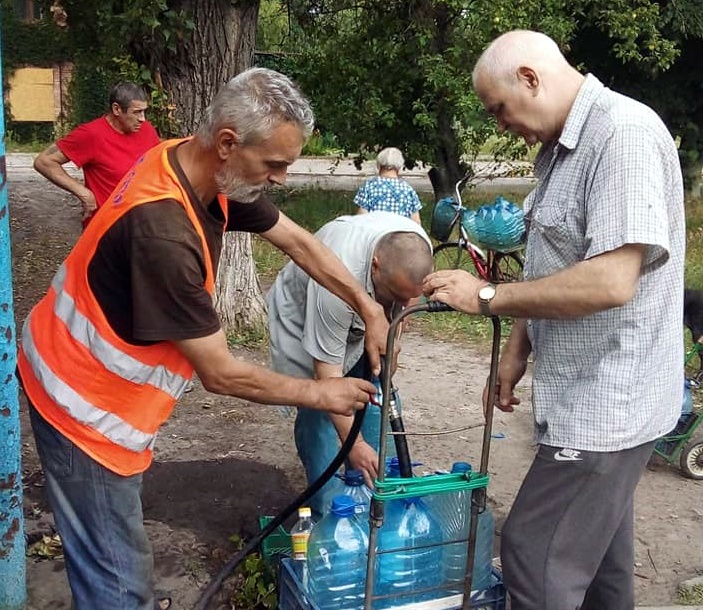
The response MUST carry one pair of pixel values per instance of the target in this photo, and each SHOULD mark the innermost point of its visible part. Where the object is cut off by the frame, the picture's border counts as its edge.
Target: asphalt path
(334, 174)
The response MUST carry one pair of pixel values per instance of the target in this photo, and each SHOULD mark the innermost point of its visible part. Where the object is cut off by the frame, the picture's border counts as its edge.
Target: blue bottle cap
(353, 477)
(393, 467)
(461, 467)
(343, 506)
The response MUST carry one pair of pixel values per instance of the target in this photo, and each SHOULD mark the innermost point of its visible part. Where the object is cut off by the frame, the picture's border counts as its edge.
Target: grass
(694, 243)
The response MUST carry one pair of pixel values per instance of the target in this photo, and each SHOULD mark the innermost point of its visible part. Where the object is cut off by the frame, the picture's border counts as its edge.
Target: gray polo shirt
(614, 379)
(308, 322)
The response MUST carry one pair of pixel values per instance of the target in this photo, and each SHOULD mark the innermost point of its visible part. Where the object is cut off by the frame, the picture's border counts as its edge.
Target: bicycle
(677, 444)
(492, 265)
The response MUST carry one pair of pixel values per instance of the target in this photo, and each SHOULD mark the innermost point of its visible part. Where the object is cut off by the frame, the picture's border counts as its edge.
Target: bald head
(524, 81)
(507, 53)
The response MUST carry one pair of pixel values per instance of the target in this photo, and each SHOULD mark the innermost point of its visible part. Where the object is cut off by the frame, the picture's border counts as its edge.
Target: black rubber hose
(401, 445)
(405, 466)
(401, 448)
(251, 546)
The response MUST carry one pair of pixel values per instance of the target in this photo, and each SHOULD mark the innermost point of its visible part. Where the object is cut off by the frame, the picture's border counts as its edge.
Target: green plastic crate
(277, 544)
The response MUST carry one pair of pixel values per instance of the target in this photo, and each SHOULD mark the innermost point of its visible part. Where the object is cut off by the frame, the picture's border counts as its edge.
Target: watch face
(487, 292)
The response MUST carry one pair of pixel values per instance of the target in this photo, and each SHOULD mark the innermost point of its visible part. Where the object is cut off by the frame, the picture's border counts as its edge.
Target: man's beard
(235, 188)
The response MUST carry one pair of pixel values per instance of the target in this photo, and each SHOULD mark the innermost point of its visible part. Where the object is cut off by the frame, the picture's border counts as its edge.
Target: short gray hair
(252, 104)
(405, 252)
(391, 158)
(516, 48)
(124, 93)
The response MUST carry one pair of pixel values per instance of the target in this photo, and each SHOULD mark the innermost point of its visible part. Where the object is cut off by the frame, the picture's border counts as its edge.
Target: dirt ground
(221, 462)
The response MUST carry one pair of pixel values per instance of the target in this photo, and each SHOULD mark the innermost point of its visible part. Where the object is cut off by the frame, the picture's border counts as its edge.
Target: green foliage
(322, 145)
(664, 69)
(101, 40)
(256, 583)
(395, 73)
(37, 44)
(28, 44)
(694, 244)
(29, 137)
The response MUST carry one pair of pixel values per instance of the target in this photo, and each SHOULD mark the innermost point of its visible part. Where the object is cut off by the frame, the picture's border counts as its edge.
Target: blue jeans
(98, 515)
(317, 443)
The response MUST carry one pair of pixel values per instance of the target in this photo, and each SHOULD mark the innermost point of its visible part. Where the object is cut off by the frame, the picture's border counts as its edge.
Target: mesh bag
(444, 216)
(498, 226)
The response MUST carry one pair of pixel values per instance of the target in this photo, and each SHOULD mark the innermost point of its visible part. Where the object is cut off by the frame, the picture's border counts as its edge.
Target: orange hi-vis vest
(107, 396)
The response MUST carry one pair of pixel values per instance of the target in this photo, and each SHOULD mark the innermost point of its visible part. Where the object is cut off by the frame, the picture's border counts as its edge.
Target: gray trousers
(568, 541)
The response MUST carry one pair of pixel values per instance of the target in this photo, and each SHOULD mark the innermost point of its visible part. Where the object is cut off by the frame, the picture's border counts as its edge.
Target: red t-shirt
(106, 154)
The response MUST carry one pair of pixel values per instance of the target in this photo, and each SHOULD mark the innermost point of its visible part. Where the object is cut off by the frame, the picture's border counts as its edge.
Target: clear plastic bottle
(355, 488)
(337, 556)
(300, 533)
(408, 524)
(453, 511)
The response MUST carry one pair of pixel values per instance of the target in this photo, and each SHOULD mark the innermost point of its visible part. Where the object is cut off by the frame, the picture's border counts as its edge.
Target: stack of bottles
(413, 532)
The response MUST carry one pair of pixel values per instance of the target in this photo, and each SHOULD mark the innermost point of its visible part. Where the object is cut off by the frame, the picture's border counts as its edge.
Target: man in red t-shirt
(105, 148)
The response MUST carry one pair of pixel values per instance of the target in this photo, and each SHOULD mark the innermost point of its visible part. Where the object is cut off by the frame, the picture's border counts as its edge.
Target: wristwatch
(485, 296)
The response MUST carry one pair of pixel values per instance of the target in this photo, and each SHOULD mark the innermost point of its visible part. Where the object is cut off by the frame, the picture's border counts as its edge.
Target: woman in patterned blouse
(387, 192)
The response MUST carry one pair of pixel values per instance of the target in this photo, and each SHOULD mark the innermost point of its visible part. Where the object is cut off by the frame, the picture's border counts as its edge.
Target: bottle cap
(353, 477)
(461, 467)
(343, 506)
(304, 511)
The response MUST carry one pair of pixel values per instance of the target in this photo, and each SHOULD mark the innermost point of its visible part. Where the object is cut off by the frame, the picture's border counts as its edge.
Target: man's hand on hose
(341, 395)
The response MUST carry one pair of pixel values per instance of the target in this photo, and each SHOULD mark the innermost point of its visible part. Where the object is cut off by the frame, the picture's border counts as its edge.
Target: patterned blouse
(388, 195)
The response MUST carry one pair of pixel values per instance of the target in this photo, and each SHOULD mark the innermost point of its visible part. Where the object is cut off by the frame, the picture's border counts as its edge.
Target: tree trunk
(220, 47)
(238, 297)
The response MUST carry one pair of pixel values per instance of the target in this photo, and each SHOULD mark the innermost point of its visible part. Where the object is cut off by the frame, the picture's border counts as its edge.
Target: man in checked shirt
(600, 311)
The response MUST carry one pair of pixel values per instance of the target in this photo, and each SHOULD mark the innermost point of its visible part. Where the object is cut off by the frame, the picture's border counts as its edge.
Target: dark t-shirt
(148, 272)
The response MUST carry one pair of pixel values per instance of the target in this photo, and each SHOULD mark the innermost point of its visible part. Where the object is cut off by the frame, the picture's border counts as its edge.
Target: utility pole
(13, 588)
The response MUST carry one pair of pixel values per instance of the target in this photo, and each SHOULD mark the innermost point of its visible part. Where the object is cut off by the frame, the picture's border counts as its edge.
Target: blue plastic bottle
(408, 524)
(355, 488)
(337, 556)
(453, 511)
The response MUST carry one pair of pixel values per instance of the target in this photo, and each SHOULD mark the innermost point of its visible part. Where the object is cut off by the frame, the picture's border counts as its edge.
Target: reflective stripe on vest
(108, 424)
(114, 360)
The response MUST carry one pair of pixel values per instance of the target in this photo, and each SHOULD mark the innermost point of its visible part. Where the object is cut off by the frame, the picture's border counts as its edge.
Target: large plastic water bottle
(337, 556)
(408, 525)
(453, 511)
(351, 483)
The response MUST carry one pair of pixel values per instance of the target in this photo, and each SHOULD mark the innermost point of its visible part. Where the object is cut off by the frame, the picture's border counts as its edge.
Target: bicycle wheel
(506, 267)
(454, 255)
(692, 460)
